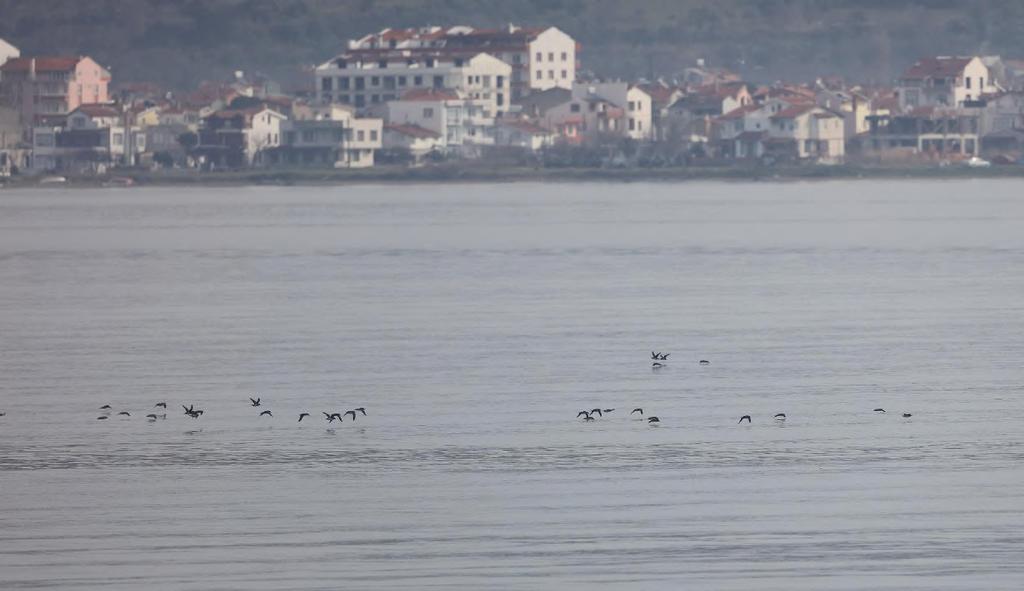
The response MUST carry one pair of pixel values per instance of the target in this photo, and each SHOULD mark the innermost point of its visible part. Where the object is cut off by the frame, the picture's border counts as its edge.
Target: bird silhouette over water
(105, 407)
(124, 413)
(303, 415)
(588, 418)
(266, 413)
(780, 417)
(637, 410)
(907, 415)
(331, 416)
(582, 413)
(652, 420)
(254, 401)
(598, 412)
(655, 355)
(704, 362)
(351, 412)
(362, 410)
(747, 417)
(102, 418)
(657, 365)
(879, 410)
(664, 356)
(160, 405)
(608, 410)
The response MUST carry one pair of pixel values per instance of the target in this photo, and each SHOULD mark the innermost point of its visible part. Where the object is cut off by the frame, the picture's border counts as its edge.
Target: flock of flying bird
(657, 363)
(195, 413)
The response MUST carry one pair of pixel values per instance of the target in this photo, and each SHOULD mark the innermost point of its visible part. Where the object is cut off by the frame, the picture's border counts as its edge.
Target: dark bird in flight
(639, 410)
(780, 417)
(588, 418)
(3, 414)
(582, 413)
(907, 415)
(655, 355)
(879, 410)
(652, 420)
(303, 415)
(160, 405)
(151, 417)
(747, 417)
(362, 410)
(705, 362)
(664, 356)
(102, 418)
(188, 409)
(657, 365)
(124, 413)
(254, 401)
(598, 411)
(105, 407)
(351, 412)
(267, 413)
(609, 409)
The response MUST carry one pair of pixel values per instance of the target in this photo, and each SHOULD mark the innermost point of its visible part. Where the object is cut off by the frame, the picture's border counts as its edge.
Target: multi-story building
(238, 137)
(944, 82)
(46, 89)
(782, 130)
(368, 79)
(329, 136)
(638, 117)
(93, 138)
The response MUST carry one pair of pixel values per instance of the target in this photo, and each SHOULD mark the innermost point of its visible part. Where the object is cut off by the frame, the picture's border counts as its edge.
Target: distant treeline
(180, 42)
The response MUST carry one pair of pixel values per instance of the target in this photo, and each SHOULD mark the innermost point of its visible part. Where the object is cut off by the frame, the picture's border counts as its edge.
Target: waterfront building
(45, 89)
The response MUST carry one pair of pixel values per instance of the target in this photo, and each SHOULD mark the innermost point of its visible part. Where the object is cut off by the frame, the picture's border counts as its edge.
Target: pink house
(44, 89)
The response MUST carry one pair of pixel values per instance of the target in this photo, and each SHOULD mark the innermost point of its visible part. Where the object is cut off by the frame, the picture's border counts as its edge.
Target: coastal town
(510, 96)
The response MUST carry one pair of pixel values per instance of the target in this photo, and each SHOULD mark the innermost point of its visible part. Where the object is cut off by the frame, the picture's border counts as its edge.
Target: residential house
(663, 96)
(93, 138)
(690, 116)
(638, 116)
(329, 135)
(782, 131)
(46, 89)
(930, 131)
(413, 140)
(464, 123)
(944, 82)
(585, 118)
(235, 138)
(518, 133)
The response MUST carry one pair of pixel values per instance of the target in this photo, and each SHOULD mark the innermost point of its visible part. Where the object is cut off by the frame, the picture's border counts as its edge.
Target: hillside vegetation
(180, 42)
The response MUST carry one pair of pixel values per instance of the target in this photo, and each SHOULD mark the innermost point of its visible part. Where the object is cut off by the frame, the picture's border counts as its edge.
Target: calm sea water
(473, 322)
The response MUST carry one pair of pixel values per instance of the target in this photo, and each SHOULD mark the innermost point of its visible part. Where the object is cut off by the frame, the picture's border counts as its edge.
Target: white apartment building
(440, 111)
(371, 78)
(540, 57)
(329, 135)
(944, 82)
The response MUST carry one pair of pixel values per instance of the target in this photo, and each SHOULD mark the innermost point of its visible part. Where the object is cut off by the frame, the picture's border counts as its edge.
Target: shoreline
(477, 174)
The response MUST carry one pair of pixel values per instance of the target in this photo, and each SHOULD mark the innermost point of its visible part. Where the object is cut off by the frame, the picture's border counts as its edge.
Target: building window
(342, 83)
(327, 84)
(640, 125)
(565, 56)
(360, 83)
(344, 98)
(118, 139)
(373, 135)
(374, 80)
(540, 56)
(981, 83)
(430, 62)
(438, 81)
(360, 101)
(631, 106)
(417, 81)
(551, 74)
(517, 58)
(499, 81)
(458, 62)
(360, 135)
(540, 75)
(487, 81)
(500, 99)
(428, 113)
(632, 124)
(574, 108)
(551, 56)
(382, 64)
(375, 99)
(401, 80)
(968, 79)
(564, 74)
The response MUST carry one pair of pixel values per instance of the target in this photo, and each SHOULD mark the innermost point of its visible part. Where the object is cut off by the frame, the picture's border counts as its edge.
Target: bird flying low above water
(588, 418)
(266, 413)
(664, 356)
(362, 410)
(745, 417)
(102, 418)
(105, 407)
(637, 410)
(351, 412)
(303, 415)
(704, 362)
(608, 410)
(780, 417)
(657, 365)
(907, 415)
(582, 413)
(124, 413)
(652, 420)
(151, 417)
(254, 401)
(879, 410)
(597, 411)
(160, 405)
(655, 355)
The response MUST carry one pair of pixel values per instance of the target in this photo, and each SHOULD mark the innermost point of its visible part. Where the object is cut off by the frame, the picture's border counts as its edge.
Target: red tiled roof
(430, 94)
(660, 93)
(793, 111)
(411, 130)
(43, 64)
(936, 67)
(740, 112)
(98, 110)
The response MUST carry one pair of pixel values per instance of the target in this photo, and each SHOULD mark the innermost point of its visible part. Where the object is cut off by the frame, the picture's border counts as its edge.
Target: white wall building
(371, 78)
(463, 123)
(638, 122)
(944, 82)
(7, 51)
